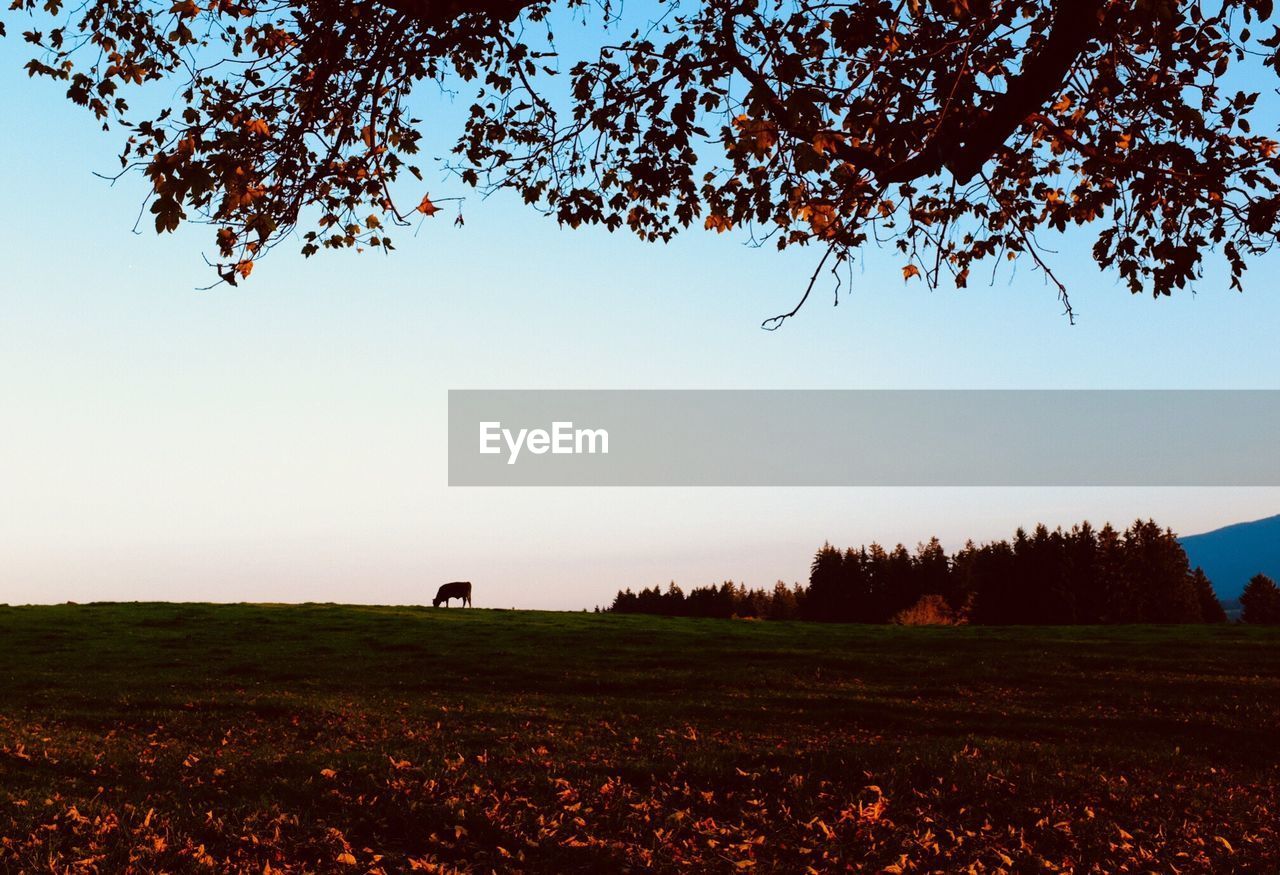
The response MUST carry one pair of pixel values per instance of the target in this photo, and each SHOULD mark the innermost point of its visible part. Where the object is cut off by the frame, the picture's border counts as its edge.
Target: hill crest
(1233, 554)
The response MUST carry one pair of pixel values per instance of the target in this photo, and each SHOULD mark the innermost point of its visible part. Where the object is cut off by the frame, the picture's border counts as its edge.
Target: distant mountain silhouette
(1232, 555)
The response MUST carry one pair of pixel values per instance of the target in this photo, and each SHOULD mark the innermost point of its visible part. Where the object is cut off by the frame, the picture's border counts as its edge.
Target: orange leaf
(245, 268)
(427, 208)
(827, 141)
(909, 271)
(821, 218)
(758, 135)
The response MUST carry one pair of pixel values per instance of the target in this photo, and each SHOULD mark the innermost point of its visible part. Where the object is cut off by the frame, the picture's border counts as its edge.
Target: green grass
(318, 737)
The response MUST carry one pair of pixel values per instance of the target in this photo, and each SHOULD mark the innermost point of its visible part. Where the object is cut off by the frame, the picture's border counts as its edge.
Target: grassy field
(325, 738)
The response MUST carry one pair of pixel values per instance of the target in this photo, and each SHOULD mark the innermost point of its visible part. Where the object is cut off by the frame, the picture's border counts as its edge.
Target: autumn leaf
(168, 213)
(909, 271)
(426, 207)
(717, 223)
(828, 141)
(258, 126)
(821, 218)
(347, 858)
(758, 136)
(226, 241)
(244, 268)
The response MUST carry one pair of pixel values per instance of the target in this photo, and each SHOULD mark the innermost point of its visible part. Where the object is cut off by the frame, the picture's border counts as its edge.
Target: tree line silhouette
(1081, 575)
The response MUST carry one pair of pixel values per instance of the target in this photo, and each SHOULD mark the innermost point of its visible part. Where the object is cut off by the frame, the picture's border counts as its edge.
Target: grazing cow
(459, 589)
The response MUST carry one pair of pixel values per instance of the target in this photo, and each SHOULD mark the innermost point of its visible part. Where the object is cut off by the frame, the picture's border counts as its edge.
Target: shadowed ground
(332, 738)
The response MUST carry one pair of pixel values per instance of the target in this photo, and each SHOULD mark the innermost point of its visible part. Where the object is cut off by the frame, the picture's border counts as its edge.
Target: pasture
(163, 737)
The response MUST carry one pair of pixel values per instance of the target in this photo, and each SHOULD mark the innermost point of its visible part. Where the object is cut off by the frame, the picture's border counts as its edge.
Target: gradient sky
(285, 440)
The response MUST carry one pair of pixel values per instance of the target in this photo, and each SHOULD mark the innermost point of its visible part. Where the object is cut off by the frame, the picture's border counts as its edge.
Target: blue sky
(285, 440)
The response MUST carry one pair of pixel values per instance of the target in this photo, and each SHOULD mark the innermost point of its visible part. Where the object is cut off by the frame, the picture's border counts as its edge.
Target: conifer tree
(1210, 608)
(1260, 601)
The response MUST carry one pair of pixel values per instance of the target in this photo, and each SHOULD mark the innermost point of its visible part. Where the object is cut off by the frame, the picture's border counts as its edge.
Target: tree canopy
(954, 131)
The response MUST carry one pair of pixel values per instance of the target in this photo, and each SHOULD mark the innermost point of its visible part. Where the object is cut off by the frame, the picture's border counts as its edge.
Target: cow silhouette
(459, 589)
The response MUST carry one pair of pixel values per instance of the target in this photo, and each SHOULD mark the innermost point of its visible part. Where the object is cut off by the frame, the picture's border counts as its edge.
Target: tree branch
(441, 13)
(964, 148)
(1075, 22)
